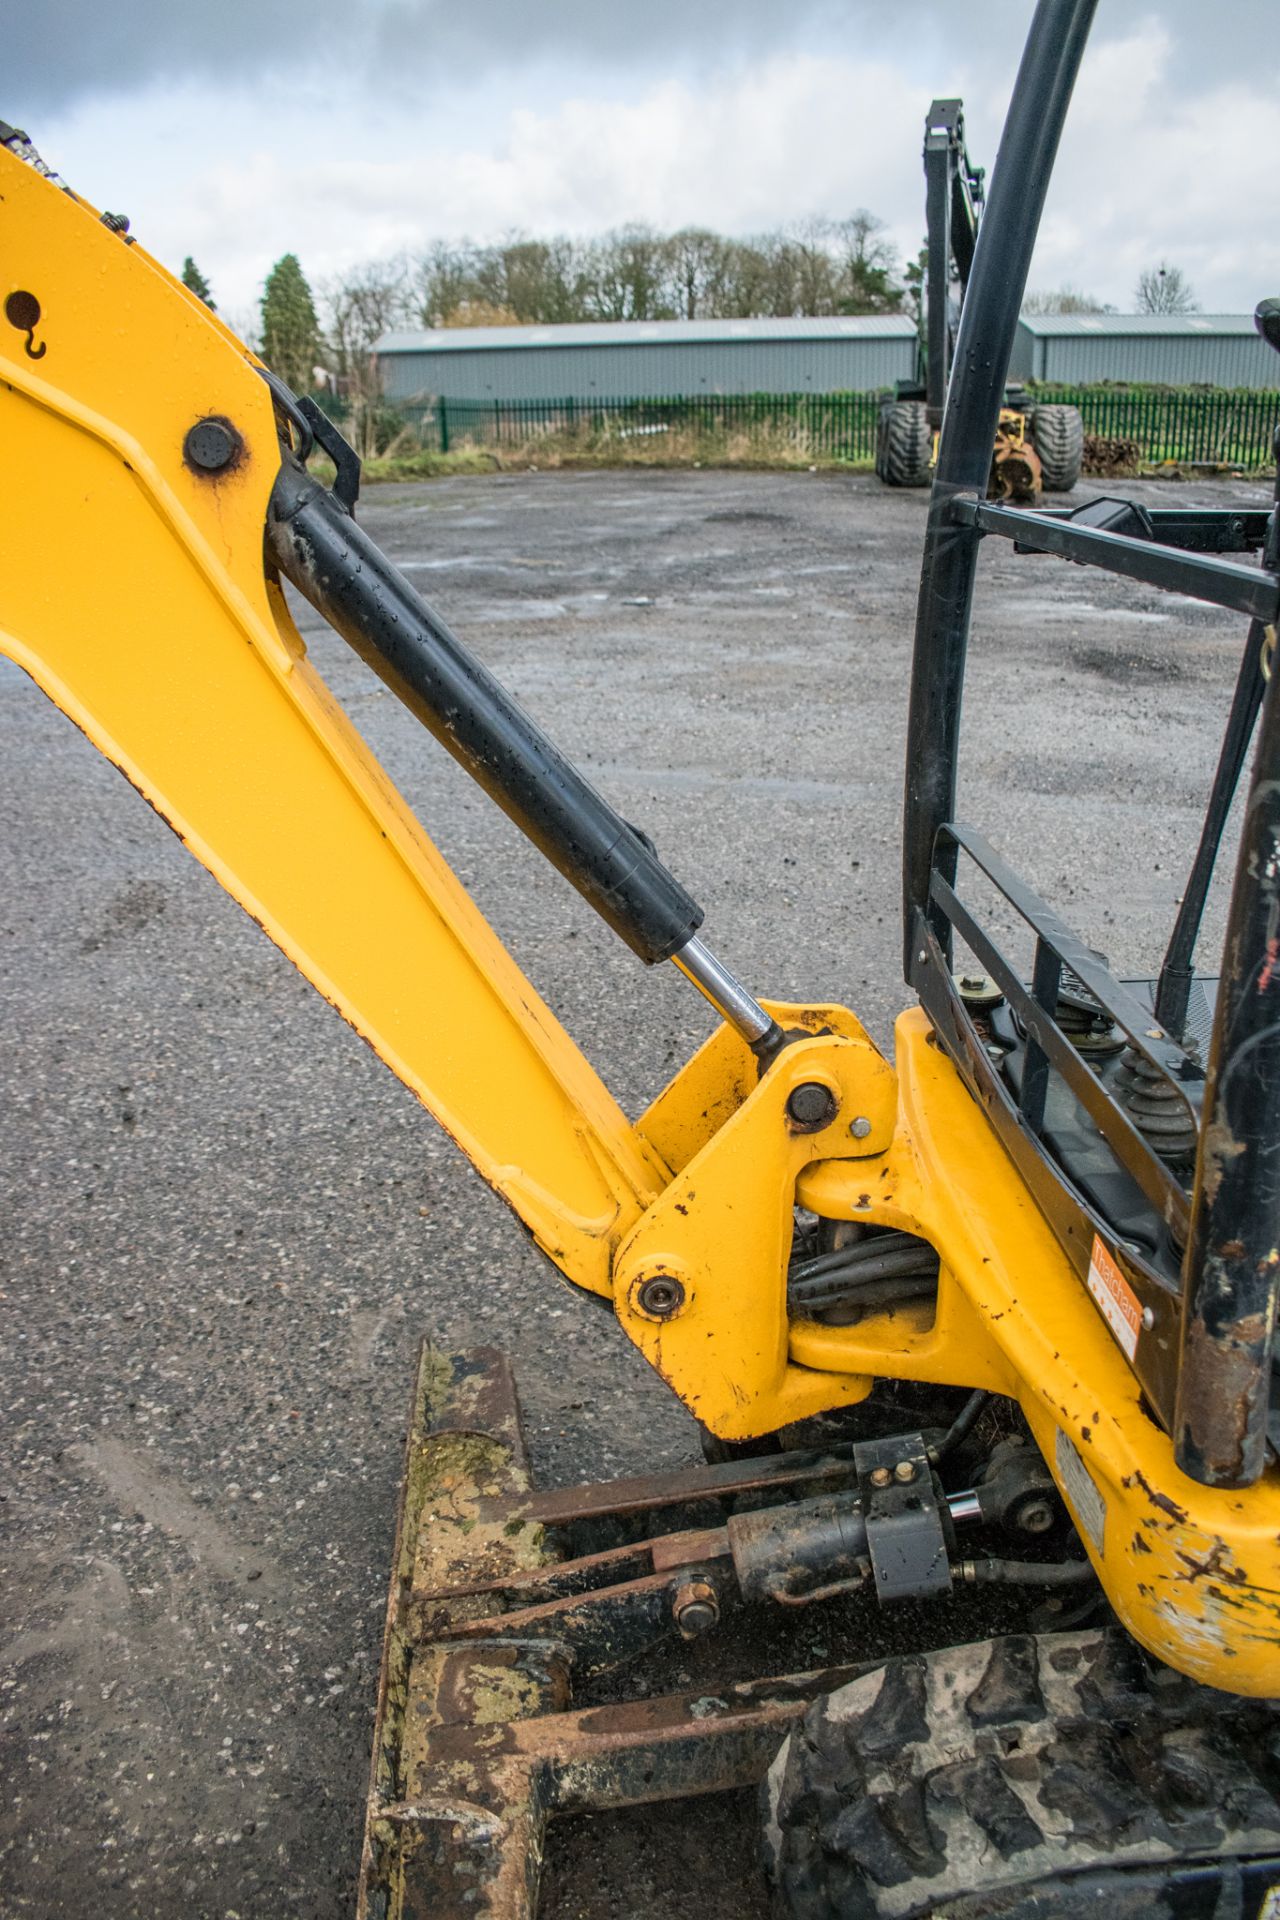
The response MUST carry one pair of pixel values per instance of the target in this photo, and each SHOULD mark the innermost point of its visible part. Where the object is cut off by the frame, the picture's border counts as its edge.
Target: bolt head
(905, 1471)
(1035, 1516)
(978, 991)
(860, 1127)
(694, 1618)
(881, 1477)
(212, 445)
(695, 1608)
(660, 1295)
(811, 1106)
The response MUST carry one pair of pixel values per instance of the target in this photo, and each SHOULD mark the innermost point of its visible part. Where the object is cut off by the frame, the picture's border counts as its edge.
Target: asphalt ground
(228, 1226)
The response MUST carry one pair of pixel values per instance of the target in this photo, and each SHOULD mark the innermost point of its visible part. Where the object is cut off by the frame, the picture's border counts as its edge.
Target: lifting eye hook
(22, 310)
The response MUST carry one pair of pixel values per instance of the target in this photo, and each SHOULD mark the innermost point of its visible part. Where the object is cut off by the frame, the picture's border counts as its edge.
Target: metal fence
(1231, 426)
(1188, 424)
(839, 426)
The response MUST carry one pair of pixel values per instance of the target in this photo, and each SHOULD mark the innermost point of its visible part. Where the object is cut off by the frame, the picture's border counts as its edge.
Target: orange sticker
(1121, 1308)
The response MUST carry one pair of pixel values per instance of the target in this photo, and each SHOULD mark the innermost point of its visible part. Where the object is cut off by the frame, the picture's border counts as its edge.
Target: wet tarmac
(228, 1226)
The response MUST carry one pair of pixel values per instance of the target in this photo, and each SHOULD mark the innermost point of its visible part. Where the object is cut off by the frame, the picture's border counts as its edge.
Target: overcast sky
(341, 130)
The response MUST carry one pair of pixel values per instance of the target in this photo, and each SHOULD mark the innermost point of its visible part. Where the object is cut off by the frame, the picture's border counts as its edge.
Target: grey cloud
(64, 50)
(61, 51)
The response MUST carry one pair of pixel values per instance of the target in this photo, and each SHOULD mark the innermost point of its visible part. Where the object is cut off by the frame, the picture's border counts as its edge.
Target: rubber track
(1024, 1776)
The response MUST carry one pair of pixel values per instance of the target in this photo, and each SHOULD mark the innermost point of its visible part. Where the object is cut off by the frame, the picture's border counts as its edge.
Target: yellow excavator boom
(145, 456)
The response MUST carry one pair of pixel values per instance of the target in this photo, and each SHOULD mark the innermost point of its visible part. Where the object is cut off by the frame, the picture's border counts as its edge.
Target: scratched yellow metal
(142, 609)
(723, 1226)
(144, 612)
(1194, 1573)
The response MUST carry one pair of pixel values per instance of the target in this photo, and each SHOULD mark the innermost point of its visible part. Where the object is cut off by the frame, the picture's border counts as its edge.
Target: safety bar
(1202, 576)
(988, 322)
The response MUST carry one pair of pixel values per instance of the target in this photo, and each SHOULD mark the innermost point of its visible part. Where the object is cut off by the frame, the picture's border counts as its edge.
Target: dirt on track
(228, 1226)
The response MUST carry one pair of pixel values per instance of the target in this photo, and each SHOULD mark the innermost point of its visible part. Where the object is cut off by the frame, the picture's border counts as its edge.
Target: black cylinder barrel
(338, 568)
(784, 1553)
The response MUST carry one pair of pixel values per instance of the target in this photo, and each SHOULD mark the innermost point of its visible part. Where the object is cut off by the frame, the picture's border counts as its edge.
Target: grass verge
(777, 445)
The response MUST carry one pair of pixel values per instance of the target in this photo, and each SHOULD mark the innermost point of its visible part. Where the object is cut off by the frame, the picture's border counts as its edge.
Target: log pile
(1110, 458)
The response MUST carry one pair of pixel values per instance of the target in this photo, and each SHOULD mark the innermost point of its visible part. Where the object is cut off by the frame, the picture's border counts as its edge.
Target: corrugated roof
(630, 333)
(1138, 323)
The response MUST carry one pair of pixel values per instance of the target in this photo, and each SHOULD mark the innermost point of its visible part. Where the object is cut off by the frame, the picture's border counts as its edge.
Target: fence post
(444, 425)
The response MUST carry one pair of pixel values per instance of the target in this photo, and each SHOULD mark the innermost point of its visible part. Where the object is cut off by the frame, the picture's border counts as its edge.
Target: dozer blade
(478, 1739)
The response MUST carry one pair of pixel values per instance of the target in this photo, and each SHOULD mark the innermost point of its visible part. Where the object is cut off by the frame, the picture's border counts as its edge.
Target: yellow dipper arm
(143, 608)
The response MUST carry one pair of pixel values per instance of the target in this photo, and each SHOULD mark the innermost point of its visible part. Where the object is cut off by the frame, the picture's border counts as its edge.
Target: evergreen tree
(290, 330)
(194, 280)
(916, 275)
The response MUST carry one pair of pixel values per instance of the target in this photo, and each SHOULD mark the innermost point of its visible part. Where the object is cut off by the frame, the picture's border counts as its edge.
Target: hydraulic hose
(962, 1426)
(1025, 1573)
(865, 1255)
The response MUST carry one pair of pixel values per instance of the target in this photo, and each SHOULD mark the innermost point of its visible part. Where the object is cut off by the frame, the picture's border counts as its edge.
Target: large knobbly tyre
(904, 444)
(1035, 1775)
(1057, 434)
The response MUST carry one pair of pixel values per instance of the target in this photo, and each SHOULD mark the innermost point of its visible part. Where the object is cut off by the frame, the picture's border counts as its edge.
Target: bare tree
(749, 280)
(475, 311)
(539, 282)
(1164, 289)
(1066, 299)
(634, 273)
(770, 275)
(866, 266)
(814, 275)
(697, 263)
(360, 306)
(624, 276)
(444, 277)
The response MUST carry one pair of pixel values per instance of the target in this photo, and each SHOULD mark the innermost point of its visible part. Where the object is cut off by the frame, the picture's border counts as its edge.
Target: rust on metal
(479, 1741)
(695, 1608)
(464, 1446)
(603, 1629)
(683, 1549)
(557, 1577)
(558, 1506)
(1220, 1382)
